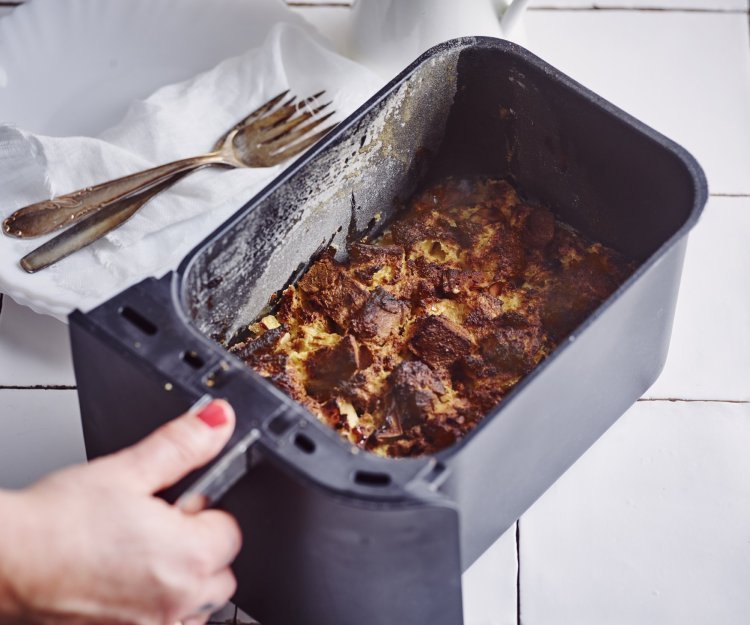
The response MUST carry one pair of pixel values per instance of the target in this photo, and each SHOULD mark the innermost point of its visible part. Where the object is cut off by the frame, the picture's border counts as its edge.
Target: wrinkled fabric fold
(177, 121)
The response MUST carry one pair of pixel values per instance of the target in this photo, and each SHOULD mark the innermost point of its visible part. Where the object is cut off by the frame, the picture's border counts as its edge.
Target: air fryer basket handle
(228, 469)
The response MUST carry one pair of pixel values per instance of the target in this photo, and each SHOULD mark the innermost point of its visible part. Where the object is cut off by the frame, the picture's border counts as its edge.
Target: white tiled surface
(709, 357)
(652, 525)
(34, 350)
(41, 431)
(491, 585)
(685, 74)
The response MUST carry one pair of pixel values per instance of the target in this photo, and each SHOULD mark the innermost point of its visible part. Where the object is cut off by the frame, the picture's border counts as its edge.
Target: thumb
(175, 449)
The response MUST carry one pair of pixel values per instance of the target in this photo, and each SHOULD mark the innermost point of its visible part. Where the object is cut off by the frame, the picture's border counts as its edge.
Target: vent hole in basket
(218, 376)
(304, 443)
(436, 474)
(280, 424)
(193, 359)
(367, 478)
(138, 320)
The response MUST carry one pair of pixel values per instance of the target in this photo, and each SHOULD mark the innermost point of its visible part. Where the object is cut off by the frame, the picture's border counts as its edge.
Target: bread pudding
(406, 345)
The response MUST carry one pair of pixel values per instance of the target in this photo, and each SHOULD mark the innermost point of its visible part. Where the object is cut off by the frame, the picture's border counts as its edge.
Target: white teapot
(388, 34)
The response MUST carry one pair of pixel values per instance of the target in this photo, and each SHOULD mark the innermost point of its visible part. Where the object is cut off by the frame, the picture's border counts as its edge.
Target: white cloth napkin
(177, 121)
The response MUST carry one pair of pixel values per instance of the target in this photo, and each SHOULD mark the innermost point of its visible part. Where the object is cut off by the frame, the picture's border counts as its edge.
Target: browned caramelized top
(406, 346)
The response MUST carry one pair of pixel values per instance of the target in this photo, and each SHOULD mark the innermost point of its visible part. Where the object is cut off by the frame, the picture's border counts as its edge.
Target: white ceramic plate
(73, 67)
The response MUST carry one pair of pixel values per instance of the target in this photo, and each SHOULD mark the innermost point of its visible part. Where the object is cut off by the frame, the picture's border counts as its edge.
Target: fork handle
(50, 215)
(92, 228)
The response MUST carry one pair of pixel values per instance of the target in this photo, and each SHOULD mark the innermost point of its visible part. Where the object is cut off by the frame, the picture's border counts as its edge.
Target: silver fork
(271, 134)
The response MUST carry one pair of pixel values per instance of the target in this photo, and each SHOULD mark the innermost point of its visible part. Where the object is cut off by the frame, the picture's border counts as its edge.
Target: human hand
(91, 544)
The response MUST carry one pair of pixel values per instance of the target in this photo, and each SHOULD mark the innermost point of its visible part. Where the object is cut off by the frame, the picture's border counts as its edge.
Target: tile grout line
(38, 387)
(592, 7)
(596, 8)
(518, 572)
(322, 5)
(699, 401)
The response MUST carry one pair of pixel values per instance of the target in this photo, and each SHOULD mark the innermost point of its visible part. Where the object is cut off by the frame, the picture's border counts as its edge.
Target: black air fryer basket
(339, 536)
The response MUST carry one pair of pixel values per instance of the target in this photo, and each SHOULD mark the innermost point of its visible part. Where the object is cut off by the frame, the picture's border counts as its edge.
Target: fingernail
(214, 415)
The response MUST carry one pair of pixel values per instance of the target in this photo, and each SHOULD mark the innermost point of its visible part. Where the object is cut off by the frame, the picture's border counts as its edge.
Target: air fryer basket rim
(691, 166)
(700, 184)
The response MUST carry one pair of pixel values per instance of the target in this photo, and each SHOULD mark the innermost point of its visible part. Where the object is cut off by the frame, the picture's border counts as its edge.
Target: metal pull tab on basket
(224, 474)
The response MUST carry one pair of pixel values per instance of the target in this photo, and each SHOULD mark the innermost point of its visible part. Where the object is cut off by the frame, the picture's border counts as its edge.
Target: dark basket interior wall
(502, 118)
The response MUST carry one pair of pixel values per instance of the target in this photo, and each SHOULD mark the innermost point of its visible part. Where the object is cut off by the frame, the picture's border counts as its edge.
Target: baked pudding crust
(405, 347)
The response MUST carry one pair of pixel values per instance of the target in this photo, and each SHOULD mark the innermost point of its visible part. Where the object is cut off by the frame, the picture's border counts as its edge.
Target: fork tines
(284, 131)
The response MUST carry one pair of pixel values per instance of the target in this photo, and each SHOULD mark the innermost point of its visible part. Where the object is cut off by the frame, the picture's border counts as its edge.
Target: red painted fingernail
(214, 415)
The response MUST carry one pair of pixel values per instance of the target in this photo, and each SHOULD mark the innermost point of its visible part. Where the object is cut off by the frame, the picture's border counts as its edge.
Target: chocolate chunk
(512, 348)
(514, 319)
(571, 298)
(467, 368)
(381, 316)
(455, 281)
(438, 436)
(438, 341)
(291, 309)
(366, 357)
(428, 225)
(481, 382)
(485, 309)
(329, 367)
(269, 365)
(263, 344)
(539, 228)
(328, 286)
(509, 258)
(356, 391)
(426, 276)
(283, 375)
(367, 260)
(451, 282)
(412, 390)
